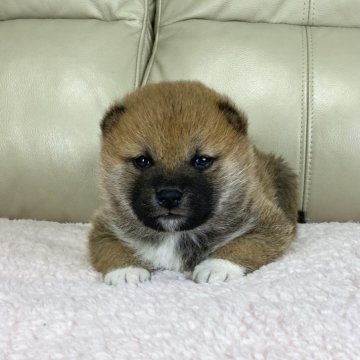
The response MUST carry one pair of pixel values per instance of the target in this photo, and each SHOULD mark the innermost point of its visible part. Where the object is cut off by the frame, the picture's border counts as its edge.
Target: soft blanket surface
(54, 306)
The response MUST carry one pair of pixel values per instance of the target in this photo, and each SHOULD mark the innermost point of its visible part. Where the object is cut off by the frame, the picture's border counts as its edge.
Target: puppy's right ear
(235, 117)
(111, 117)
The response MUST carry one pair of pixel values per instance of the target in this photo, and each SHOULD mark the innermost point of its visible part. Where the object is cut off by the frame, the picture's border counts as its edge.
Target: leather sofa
(293, 66)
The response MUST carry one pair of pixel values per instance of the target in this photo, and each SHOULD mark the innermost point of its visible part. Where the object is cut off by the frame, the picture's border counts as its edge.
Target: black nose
(169, 198)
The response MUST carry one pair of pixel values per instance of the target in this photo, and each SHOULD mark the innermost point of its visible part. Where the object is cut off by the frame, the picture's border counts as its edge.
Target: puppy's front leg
(113, 258)
(244, 254)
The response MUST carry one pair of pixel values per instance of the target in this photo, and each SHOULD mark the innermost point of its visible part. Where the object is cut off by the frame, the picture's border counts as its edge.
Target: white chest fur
(165, 255)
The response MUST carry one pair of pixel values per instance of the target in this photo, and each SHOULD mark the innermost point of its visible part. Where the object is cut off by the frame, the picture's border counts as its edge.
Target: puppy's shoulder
(279, 180)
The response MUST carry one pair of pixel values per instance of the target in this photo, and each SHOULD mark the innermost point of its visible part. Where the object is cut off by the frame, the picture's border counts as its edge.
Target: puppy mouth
(162, 212)
(170, 216)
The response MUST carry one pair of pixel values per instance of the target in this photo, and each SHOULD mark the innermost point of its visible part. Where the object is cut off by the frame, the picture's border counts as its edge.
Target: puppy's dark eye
(142, 162)
(202, 162)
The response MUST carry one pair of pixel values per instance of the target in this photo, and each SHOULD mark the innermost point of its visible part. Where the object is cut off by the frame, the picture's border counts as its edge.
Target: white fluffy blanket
(54, 306)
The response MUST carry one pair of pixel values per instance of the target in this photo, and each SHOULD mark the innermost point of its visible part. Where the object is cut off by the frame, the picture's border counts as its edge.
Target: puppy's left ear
(111, 117)
(235, 117)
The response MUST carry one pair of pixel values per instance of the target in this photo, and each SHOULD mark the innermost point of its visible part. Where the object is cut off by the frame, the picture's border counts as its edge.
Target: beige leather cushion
(107, 10)
(333, 169)
(290, 80)
(57, 77)
(298, 12)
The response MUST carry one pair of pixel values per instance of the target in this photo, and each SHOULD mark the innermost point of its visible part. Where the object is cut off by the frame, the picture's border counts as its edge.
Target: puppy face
(173, 154)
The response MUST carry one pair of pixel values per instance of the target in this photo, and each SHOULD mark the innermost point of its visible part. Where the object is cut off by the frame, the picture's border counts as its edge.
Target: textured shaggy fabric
(54, 306)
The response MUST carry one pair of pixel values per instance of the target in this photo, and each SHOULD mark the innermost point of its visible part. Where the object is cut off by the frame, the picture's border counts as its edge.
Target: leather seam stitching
(310, 122)
(156, 42)
(313, 13)
(141, 44)
(303, 119)
(302, 144)
(308, 12)
(303, 13)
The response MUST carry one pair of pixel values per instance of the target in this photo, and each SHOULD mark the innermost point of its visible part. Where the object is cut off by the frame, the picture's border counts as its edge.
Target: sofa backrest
(292, 66)
(62, 63)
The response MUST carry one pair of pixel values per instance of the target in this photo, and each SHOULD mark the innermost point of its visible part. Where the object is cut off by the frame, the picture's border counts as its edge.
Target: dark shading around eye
(202, 162)
(142, 162)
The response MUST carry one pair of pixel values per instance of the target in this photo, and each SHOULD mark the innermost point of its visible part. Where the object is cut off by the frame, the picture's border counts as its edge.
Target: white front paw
(129, 275)
(216, 270)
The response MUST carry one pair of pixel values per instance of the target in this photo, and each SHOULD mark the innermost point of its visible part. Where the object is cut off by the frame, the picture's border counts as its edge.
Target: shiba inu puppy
(186, 190)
